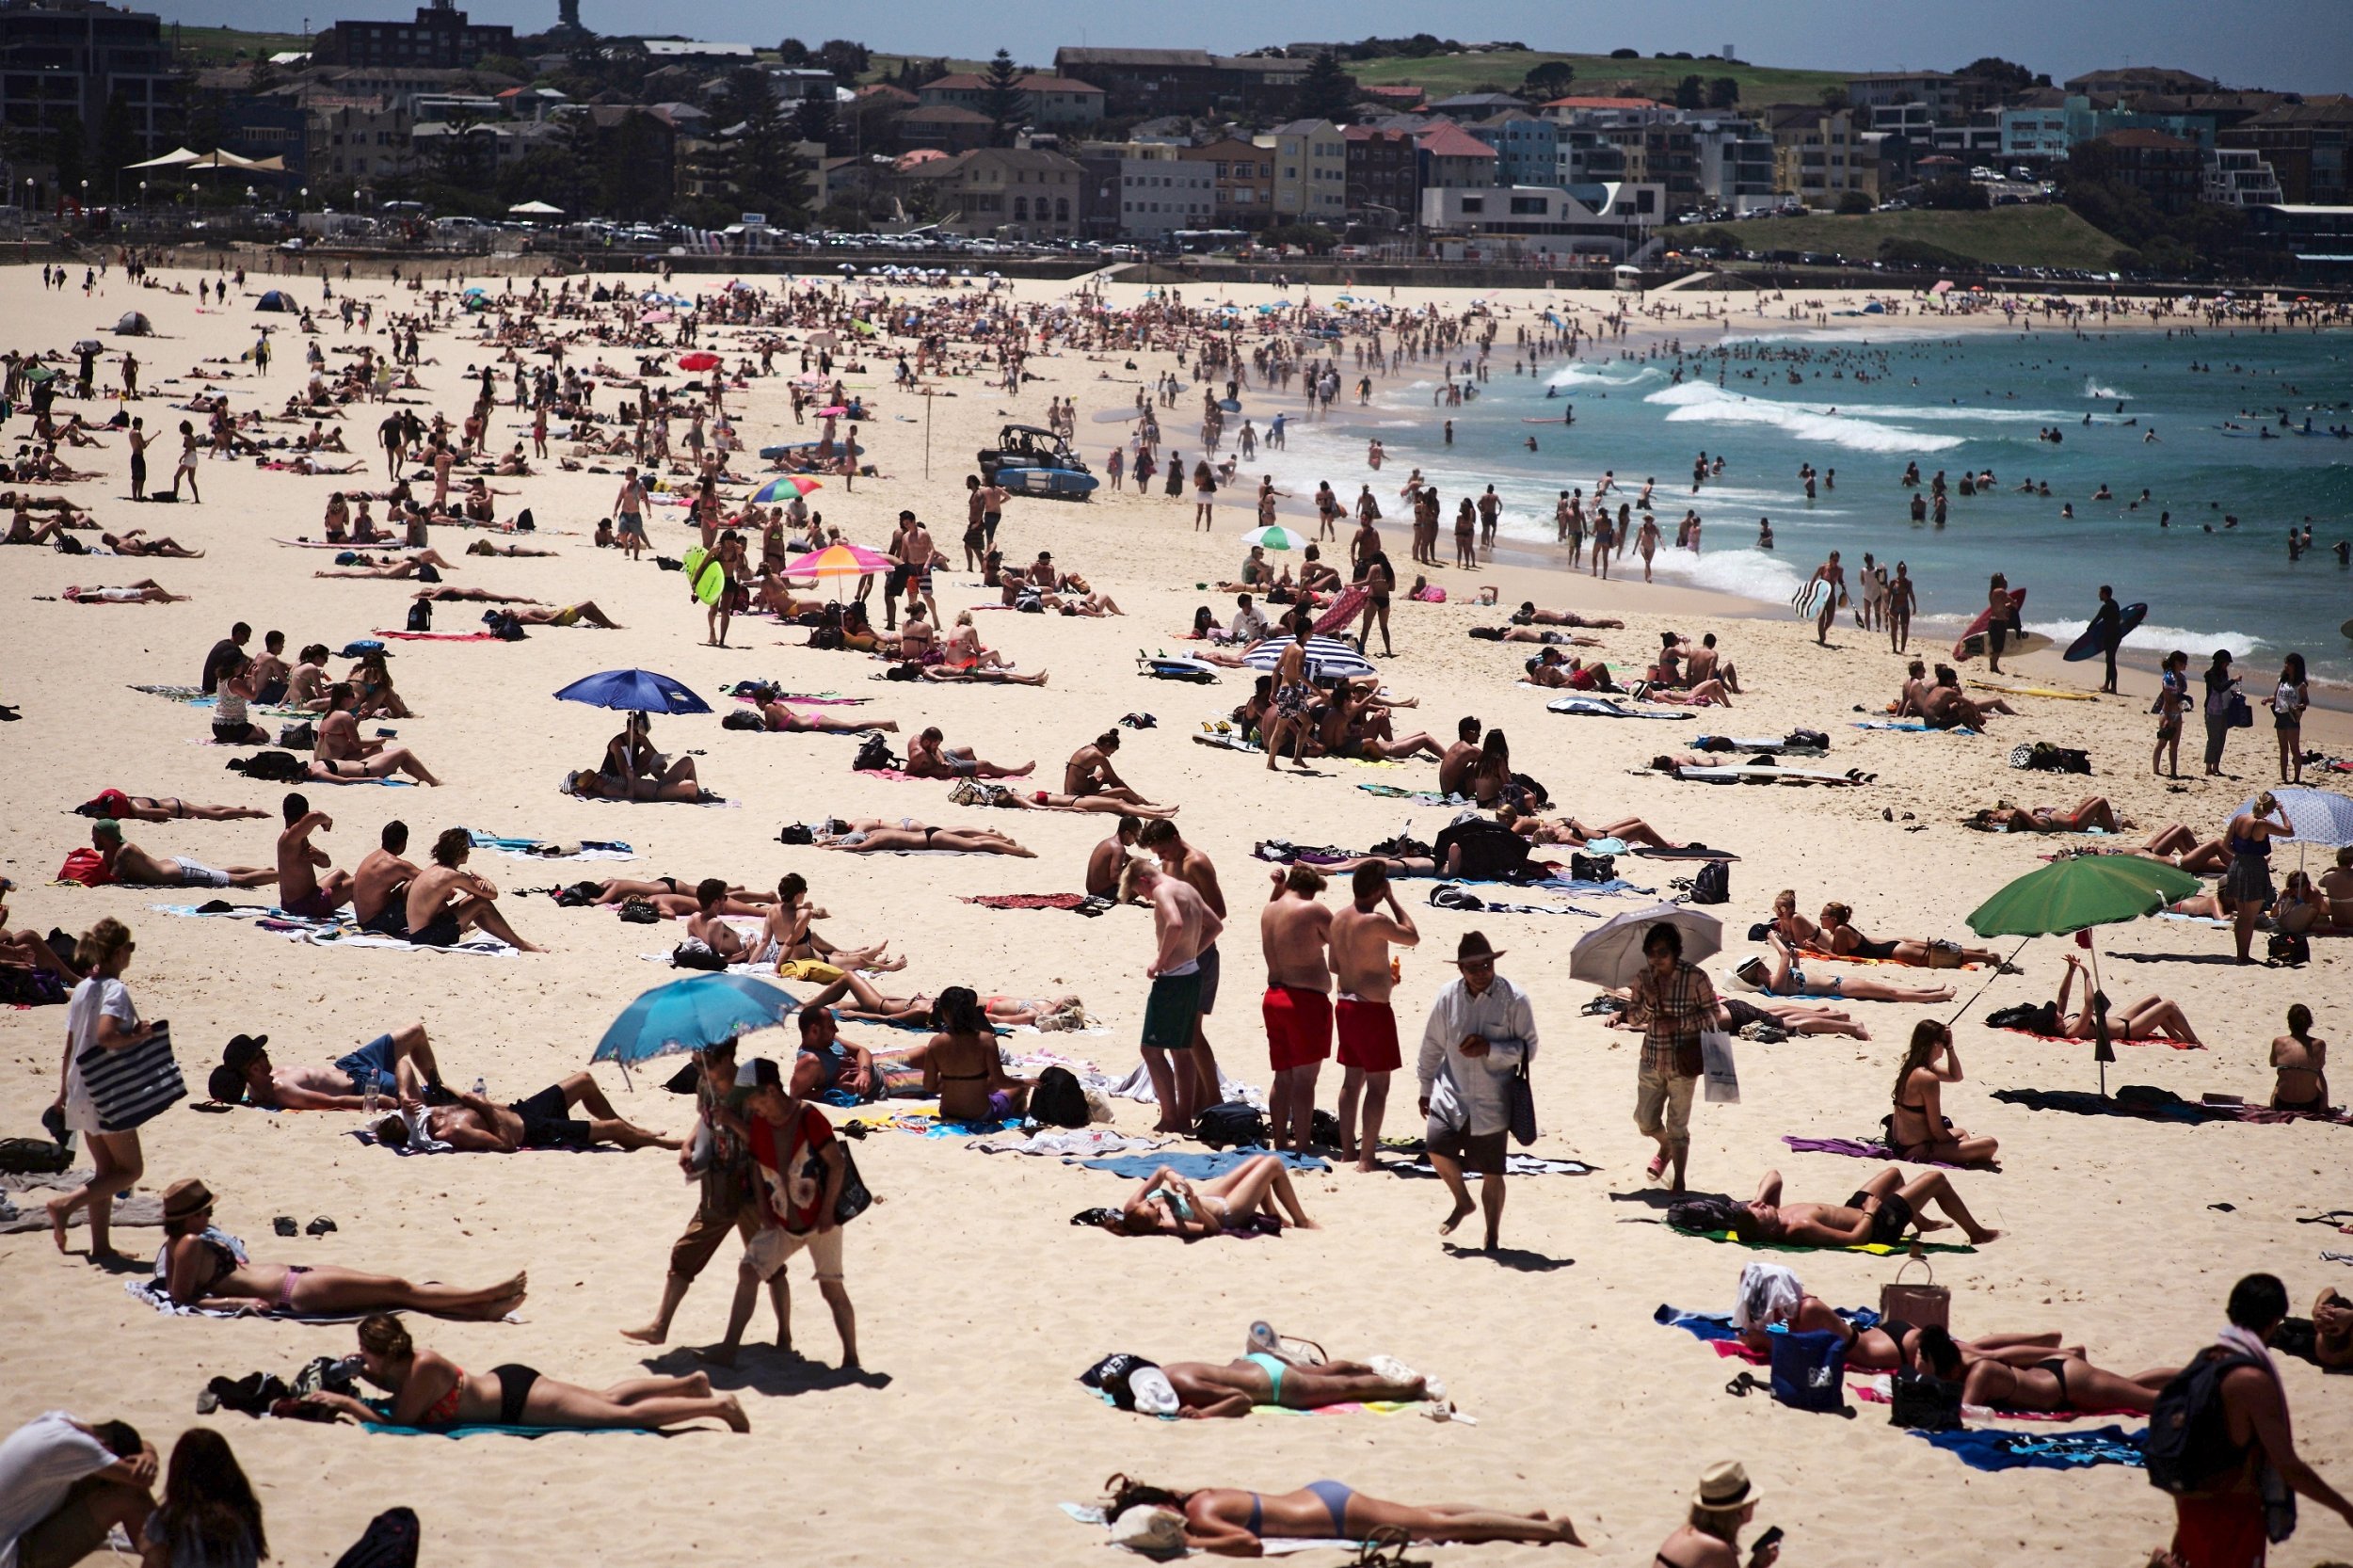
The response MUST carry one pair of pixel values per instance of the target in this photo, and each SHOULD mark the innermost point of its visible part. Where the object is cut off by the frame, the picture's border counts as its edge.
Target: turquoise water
(1866, 402)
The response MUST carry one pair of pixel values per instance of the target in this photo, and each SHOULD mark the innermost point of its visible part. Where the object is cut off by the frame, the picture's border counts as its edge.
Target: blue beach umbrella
(640, 691)
(687, 1015)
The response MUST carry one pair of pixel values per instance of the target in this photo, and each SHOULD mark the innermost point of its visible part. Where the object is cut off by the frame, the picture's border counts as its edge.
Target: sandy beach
(978, 1302)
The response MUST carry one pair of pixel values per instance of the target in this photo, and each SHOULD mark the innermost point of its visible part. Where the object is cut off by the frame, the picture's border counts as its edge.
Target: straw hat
(1152, 1530)
(186, 1198)
(1724, 1486)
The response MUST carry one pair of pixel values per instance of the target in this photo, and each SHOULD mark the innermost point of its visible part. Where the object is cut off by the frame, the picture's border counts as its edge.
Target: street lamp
(306, 198)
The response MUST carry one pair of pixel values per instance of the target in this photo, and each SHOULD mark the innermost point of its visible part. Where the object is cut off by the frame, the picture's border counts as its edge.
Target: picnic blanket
(1198, 1167)
(1991, 1448)
(2147, 1103)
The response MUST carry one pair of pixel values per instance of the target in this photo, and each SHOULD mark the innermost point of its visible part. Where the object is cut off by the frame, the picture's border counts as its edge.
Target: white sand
(978, 1300)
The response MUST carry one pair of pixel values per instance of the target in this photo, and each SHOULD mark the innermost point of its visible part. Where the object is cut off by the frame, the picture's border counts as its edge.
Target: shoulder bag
(132, 1085)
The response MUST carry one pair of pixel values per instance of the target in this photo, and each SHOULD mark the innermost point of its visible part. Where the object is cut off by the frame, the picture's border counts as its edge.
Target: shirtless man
(299, 889)
(474, 1126)
(1106, 859)
(445, 900)
(1882, 1209)
(1294, 696)
(1089, 772)
(1455, 767)
(1193, 866)
(399, 1065)
(132, 866)
(1294, 929)
(1703, 664)
(380, 889)
(913, 574)
(1361, 936)
(342, 757)
(1829, 571)
(1184, 926)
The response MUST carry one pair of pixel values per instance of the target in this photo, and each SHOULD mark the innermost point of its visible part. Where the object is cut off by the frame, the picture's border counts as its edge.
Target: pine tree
(1326, 92)
(1002, 100)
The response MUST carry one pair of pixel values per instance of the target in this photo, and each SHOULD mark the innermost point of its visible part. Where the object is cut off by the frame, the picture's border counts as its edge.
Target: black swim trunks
(548, 1123)
(1889, 1221)
(390, 921)
(439, 932)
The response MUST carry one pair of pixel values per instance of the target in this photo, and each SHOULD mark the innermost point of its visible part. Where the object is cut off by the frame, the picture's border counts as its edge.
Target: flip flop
(320, 1226)
(1656, 1168)
(284, 1225)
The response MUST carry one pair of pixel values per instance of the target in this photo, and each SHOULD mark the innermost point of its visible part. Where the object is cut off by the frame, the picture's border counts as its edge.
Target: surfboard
(1231, 405)
(2089, 646)
(1807, 601)
(1973, 640)
(2033, 691)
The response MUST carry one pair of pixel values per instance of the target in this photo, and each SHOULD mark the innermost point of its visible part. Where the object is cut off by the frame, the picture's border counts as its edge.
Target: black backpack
(874, 754)
(1057, 1101)
(2189, 1446)
(270, 767)
(421, 615)
(34, 1157)
(2035, 1018)
(2291, 948)
(1713, 885)
(1231, 1124)
(1491, 852)
(391, 1542)
(1593, 868)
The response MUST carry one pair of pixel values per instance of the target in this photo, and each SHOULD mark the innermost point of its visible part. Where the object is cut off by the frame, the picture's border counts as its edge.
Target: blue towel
(1716, 1325)
(1569, 884)
(1197, 1167)
(1991, 1448)
(493, 1430)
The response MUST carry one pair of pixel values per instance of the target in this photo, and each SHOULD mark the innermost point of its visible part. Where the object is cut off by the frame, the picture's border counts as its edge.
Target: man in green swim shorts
(1185, 926)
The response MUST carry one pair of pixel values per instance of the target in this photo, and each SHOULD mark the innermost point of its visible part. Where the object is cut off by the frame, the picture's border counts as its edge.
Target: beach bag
(796, 833)
(856, 1198)
(85, 866)
(1057, 1099)
(1491, 852)
(693, 955)
(1918, 1304)
(33, 1157)
(1519, 1103)
(390, 1542)
(2239, 714)
(134, 1085)
(1593, 868)
(1712, 884)
(421, 615)
(303, 735)
(2291, 948)
(2032, 1016)
(30, 988)
(2189, 1446)
(1921, 1402)
(270, 767)
(1809, 1370)
(874, 755)
(1231, 1124)
(1723, 1078)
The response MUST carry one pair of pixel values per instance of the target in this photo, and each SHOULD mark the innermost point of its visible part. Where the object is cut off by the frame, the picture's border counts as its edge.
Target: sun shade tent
(134, 325)
(276, 300)
(534, 209)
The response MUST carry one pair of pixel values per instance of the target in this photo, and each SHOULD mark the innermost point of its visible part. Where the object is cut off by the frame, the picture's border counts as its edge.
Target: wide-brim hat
(242, 1049)
(187, 1197)
(1723, 1486)
(1474, 946)
(1157, 1532)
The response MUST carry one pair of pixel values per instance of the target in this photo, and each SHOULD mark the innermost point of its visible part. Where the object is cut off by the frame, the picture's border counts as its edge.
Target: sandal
(1656, 1168)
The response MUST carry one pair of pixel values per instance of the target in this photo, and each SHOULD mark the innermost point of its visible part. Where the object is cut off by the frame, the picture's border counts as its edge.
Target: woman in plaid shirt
(1672, 1002)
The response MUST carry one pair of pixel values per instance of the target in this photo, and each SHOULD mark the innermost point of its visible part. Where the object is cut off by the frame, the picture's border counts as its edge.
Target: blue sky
(2297, 46)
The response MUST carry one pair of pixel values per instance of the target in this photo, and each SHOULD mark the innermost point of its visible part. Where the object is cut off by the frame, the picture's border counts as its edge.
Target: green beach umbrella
(1275, 537)
(2074, 894)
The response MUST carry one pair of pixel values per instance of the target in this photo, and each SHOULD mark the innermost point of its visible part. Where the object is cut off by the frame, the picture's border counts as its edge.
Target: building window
(1474, 203)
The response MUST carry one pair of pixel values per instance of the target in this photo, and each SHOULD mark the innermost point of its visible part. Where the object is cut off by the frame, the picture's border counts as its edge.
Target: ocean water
(1867, 402)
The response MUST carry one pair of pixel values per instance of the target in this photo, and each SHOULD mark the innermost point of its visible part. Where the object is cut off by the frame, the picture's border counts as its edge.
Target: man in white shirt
(1249, 625)
(1482, 1029)
(65, 1487)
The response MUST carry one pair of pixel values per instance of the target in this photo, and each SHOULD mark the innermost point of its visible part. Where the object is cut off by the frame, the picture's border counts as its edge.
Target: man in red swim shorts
(1294, 929)
(1361, 937)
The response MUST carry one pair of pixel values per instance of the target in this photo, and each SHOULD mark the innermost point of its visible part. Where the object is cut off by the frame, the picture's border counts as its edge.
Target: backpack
(1923, 1402)
(505, 626)
(1491, 852)
(1713, 884)
(1810, 1371)
(692, 954)
(34, 1157)
(270, 767)
(874, 754)
(796, 833)
(390, 1542)
(303, 734)
(1057, 1101)
(30, 988)
(1228, 1124)
(2289, 947)
(421, 615)
(2034, 1017)
(2189, 1445)
(1593, 868)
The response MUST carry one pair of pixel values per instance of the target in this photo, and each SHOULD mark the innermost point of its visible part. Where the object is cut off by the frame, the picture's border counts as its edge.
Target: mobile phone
(1770, 1539)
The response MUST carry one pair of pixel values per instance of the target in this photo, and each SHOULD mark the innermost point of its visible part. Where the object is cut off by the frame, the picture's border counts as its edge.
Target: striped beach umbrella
(1327, 657)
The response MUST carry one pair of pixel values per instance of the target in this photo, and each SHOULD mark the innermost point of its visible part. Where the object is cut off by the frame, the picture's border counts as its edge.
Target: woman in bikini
(1045, 1013)
(1917, 1129)
(1166, 1204)
(2090, 815)
(962, 1065)
(1783, 977)
(872, 836)
(432, 1393)
(1233, 1522)
(2180, 845)
(201, 1267)
(122, 808)
(2152, 1017)
(1575, 835)
(2300, 1061)
(2065, 1382)
(1839, 936)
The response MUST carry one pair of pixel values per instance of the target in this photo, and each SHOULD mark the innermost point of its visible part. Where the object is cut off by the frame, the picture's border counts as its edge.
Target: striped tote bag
(134, 1085)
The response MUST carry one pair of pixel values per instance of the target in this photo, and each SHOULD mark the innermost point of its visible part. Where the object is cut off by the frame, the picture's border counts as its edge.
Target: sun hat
(1473, 948)
(241, 1051)
(187, 1197)
(1150, 1530)
(1724, 1485)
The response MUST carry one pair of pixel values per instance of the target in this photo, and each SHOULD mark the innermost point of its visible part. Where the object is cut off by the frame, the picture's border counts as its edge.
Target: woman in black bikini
(433, 1393)
(871, 835)
(2063, 1381)
(1837, 935)
(1234, 1522)
(201, 1267)
(1917, 1129)
(962, 1065)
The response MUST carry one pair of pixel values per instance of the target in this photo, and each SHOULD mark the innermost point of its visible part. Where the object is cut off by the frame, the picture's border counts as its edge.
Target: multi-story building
(1016, 193)
(1184, 81)
(1045, 100)
(64, 61)
(1311, 172)
(1161, 191)
(2306, 143)
(1818, 154)
(1449, 158)
(441, 35)
(1734, 164)
(1636, 139)
(1527, 147)
(2138, 78)
(2168, 171)
(2239, 177)
(1936, 92)
(1384, 177)
(1611, 220)
(947, 127)
(1241, 182)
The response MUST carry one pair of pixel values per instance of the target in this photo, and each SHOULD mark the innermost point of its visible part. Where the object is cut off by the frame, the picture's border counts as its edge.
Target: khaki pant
(1662, 1104)
(692, 1252)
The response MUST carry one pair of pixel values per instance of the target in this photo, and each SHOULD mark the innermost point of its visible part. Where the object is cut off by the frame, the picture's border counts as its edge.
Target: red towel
(1029, 901)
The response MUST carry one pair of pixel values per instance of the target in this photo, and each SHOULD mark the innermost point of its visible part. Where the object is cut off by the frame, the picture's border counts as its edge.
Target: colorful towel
(1716, 1328)
(380, 1428)
(1034, 900)
(1994, 1449)
(1879, 1388)
(1420, 797)
(1197, 1167)
(439, 637)
(1859, 1148)
(896, 775)
(1877, 1249)
(1906, 728)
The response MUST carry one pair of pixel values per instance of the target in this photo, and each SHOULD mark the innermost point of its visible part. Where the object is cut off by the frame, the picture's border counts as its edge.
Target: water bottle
(481, 1090)
(368, 1096)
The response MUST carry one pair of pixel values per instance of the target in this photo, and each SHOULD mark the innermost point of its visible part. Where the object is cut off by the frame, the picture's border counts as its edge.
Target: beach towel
(1420, 797)
(1344, 609)
(1275, 1547)
(441, 636)
(895, 775)
(1603, 708)
(1880, 1388)
(1081, 904)
(1716, 1328)
(1513, 1165)
(385, 1429)
(2146, 1103)
(1228, 742)
(1683, 852)
(1453, 895)
(1859, 1148)
(1571, 885)
(565, 787)
(1995, 1449)
(1073, 1143)
(1877, 1249)
(1909, 726)
(1198, 1167)
(130, 1208)
(541, 849)
(153, 1294)
(1761, 774)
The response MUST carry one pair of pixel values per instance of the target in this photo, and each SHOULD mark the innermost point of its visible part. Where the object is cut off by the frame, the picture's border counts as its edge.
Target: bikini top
(443, 1411)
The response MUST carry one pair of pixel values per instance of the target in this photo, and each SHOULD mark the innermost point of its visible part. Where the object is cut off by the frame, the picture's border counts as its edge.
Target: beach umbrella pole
(1981, 990)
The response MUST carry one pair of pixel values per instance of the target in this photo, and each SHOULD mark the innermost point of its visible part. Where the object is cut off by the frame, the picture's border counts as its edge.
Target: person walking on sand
(1182, 926)
(718, 1158)
(1672, 1002)
(1293, 930)
(2290, 697)
(100, 1019)
(2107, 632)
(1481, 1031)
(1360, 940)
(1829, 571)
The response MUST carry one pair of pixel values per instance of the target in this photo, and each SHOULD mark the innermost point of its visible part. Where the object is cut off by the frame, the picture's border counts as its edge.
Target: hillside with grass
(207, 46)
(1503, 70)
(1999, 237)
